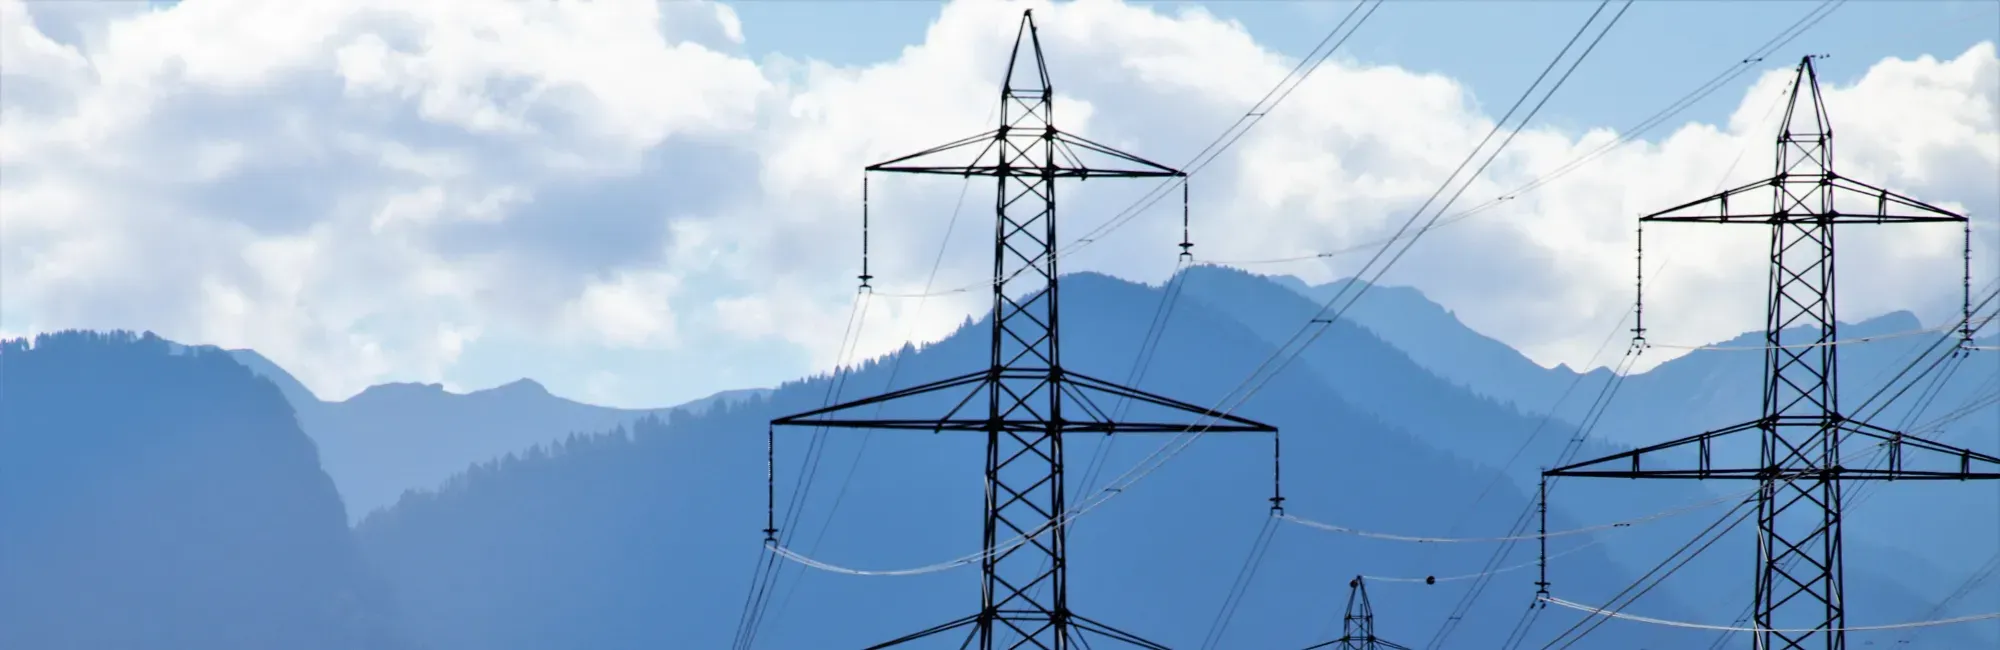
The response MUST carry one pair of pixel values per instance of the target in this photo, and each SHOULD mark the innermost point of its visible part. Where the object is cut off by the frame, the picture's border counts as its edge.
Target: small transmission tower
(1799, 601)
(1031, 401)
(1358, 627)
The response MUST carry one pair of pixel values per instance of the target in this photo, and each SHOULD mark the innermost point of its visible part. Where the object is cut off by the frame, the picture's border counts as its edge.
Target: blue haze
(610, 529)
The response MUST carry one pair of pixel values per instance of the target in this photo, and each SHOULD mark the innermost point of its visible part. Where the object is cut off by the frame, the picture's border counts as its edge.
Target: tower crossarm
(1909, 458)
(1347, 643)
(1082, 394)
(1088, 624)
(1024, 401)
(1800, 462)
(1357, 643)
(1632, 463)
(1933, 460)
(1358, 625)
(1853, 201)
(1000, 152)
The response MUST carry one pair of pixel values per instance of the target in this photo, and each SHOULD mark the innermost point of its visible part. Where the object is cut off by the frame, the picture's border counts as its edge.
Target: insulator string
(1542, 558)
(770, 484)
(865, 277)
(1965, 332)
(1277, 467)
(1639, 290)
(1187, 243)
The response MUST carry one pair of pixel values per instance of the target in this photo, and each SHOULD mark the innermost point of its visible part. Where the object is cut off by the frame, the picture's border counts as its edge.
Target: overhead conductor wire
(1320, 322)
(1589, 624)
(1951, 364)
(895, 368)
(1172, 447)
(1232, 400)
(761, 595)
(1222, 142)
(1770, 46)
(1968, 324)
(1592, 416)
(768, 570)
(1178, 281)
(1718, 82)
(1779, 41)
(778, 551)
(1179, 442)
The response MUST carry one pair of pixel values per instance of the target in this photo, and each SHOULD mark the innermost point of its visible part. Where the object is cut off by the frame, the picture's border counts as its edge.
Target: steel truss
(1802, 429)
(1358, 626)
(1030, 401)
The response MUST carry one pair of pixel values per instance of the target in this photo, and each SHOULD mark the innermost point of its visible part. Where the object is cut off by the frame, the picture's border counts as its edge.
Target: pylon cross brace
(1802, 428)
(1030, 402)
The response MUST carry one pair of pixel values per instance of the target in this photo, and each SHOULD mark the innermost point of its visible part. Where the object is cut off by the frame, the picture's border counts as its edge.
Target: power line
(1726, 628)
(895, 365)
(1629, 134)
(1871, 400)
(1025, 385)
(1320, 318)
(1240, 586)
(1434, 579)
(1309, 63)
(1588, 625)
(1221, 143)
(766, 577)
(1514, 538)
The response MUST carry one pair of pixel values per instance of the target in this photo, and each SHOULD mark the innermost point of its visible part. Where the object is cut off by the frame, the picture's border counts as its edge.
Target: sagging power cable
(1222, 142)
(1584, 627)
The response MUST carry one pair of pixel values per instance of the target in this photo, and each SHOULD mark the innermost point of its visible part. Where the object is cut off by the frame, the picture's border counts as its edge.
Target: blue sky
(1664, 47)
(640, 204)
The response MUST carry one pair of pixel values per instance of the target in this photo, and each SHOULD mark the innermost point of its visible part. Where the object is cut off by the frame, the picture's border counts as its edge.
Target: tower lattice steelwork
(1799, 602)
(1358, 626)
(1030, 401)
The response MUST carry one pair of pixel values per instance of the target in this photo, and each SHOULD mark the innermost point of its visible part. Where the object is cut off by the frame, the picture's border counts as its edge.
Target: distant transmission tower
(1031, 401)
(1799, 602)
(1358, 628)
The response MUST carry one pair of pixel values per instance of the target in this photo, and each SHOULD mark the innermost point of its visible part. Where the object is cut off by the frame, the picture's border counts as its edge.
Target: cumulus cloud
(356, 189)
(1551, 271)
(362, 190)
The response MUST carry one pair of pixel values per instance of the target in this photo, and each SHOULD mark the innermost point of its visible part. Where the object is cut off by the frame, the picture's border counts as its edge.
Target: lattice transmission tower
(1030, 401)
(1358, 626)
(1799, 600)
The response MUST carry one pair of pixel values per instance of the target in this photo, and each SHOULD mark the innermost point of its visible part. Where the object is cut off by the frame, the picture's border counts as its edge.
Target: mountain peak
(1896, 321)
(1291, 282)
(397, 389)
(524, 386)
(294, 391)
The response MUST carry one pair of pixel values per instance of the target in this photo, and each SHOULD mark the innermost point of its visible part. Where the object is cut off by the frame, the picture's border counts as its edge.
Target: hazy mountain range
(529, 521)
(435, 433)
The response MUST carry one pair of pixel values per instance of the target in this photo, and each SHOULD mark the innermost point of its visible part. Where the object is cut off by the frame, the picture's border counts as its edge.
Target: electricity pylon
(1357, 629)
(1031, 400)
(1799, 601)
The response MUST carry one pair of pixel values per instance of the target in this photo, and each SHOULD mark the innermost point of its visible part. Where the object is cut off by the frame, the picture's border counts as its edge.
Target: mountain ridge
(156, 496)
(1346, 451)
(609, 513)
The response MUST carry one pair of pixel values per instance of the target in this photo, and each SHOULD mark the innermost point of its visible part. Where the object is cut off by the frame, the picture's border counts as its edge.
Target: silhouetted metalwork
(1799, 584)
(1357, 629)
(1030, 401)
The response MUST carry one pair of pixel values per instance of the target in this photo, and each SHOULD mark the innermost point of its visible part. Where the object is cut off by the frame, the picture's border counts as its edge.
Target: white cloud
(631, 310)
(342, 185)
(362, 190)
(1551, 271)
